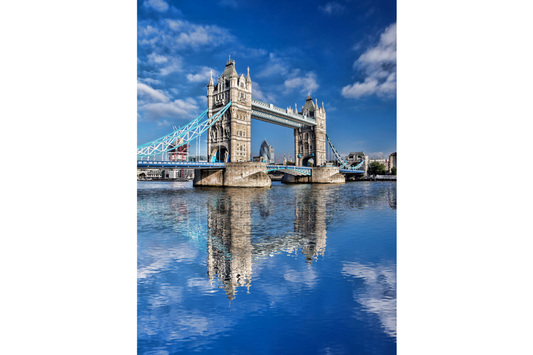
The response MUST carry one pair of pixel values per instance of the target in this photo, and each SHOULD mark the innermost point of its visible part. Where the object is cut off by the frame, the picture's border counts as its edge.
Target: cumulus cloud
(304, 84)
(379, 66)
(155, 58)
(187, 108)
(148, 93)
(202, 75)
(155, 104)
(174, 35)
(260, 95)
(158, 5)
(331, 8)
(150, 81)
(275, 65)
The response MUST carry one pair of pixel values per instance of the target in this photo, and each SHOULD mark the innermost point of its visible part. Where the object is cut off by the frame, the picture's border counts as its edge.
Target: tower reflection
(233, 246)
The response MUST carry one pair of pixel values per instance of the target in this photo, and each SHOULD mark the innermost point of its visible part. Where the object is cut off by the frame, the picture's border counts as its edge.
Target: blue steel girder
(181, 136)
(301, 169)
(344, 164)
(179, 164)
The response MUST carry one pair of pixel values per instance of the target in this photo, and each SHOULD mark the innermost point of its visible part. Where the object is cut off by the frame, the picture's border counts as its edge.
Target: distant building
(355, 158)
(392, 162)
(267, 152)
(180, 153)
(379, 160)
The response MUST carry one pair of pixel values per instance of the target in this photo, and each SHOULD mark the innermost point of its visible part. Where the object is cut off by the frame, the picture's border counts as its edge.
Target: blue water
(294, 269)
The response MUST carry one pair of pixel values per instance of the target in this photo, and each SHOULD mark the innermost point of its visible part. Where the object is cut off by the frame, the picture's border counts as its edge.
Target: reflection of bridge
(227, 121)
(239, 227)
(232, 247)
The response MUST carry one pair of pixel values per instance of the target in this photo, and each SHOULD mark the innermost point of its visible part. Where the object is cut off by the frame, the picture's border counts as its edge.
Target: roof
(230, 71)
(309, 105)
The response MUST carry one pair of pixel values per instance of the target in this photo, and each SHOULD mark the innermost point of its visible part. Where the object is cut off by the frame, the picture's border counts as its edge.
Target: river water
(294, 269)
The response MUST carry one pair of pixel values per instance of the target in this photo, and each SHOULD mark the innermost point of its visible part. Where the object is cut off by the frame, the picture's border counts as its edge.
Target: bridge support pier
(242, 174)
(320, 175)
(327, 175)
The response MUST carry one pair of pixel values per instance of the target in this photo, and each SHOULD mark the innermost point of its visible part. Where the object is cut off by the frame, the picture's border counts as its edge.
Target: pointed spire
(248, 79)
(316, 102)
(211, 79)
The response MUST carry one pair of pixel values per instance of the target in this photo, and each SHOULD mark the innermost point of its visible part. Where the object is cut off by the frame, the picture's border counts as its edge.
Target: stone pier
(327, 175)
(241, 174)
(320, 175)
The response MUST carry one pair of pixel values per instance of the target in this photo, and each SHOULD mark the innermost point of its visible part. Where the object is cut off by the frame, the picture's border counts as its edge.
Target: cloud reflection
(379, 295)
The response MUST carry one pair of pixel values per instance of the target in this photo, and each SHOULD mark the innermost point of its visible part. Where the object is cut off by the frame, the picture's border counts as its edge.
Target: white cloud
(172, 36)
(150, 81)
(175, 64)
(331, 8)
(155, 104)
(379, 65)
(202, 75)
(305, 84)
(176, 109)
(191, 35)
(158, 5)
(155, 58)
(146, 92)
(258, 94)
(165, 64)
(275, 65)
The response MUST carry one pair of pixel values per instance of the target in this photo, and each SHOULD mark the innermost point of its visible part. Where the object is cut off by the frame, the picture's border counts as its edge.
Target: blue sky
(342, 52)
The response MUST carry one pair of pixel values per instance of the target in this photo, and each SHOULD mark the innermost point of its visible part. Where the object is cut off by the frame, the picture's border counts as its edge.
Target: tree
(393, 170)
(376, 168)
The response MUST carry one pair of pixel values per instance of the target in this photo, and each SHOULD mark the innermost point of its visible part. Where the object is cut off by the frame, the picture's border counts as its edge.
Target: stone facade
(229, 139)
(327, 175)
(310, 141)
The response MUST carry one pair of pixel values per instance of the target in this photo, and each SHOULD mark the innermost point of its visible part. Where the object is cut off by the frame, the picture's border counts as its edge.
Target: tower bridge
(227, 121)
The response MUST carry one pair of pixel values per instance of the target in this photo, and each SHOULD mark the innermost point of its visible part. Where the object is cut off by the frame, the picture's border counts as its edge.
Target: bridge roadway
(291, 169)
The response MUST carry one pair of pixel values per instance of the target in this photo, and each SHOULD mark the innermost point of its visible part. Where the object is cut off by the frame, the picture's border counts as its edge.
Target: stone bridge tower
(229, 139)
(310, 141)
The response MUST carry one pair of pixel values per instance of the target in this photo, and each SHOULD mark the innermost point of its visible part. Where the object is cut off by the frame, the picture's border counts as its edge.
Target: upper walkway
(273, 114)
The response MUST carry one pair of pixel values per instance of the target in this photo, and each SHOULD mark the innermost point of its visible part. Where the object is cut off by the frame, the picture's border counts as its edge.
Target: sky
(341, 52)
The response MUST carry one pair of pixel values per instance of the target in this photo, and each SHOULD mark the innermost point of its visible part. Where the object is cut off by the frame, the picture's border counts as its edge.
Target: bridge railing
(284, 111)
